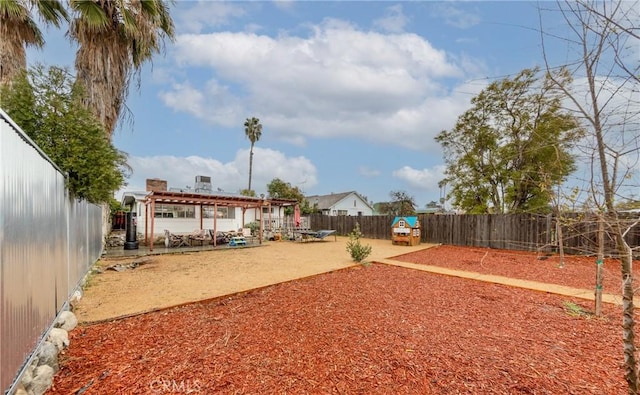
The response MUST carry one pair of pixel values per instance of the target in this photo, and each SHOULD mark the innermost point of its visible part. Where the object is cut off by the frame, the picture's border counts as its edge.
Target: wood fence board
(529, 232)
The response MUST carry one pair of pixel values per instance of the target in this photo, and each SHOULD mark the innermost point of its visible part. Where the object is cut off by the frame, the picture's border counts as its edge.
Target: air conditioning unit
(203, 184)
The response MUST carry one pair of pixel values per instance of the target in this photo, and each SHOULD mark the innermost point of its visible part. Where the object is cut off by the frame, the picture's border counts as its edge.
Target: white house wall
(347, 204)
(188, 225)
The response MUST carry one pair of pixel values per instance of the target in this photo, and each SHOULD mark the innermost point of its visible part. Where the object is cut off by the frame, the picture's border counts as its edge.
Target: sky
(350, 95)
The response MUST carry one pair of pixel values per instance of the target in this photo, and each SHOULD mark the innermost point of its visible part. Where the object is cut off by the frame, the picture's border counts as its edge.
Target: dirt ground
(162, 281)
(379, 329)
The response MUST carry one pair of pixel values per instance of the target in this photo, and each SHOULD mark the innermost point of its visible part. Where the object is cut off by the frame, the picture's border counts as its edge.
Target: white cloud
(423, 180)
(180, 172)
(394, 20)
(213, 102)
(285, 5)
(207, 14)
(454, 16)
(337, 82)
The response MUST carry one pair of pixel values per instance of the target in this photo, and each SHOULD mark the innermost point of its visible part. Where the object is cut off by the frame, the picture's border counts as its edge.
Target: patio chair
(173, 240)
(221, 237)
(196, 236)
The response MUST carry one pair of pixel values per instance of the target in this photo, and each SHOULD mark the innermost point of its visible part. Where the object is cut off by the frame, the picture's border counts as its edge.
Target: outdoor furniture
(220, 237)
(172, 240)
(237, 241)
(198, 236)
(310, 235)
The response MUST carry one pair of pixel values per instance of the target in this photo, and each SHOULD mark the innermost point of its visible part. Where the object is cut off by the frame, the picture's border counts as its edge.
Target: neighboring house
(346, 203)
(183, 211)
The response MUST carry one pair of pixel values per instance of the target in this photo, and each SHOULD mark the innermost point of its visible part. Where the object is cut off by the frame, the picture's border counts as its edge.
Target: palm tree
(253, 131)
(115, 38)
(19, 30)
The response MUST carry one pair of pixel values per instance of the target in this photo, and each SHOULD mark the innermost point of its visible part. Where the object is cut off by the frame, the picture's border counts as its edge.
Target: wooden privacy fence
(529, 232)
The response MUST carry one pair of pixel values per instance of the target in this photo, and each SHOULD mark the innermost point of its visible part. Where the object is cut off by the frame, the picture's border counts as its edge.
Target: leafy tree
(48, 107)
(253, 131)
(248, 192)
(279, 189)
(18, 30)
(115, 37)
(510, 147)
(401, 204)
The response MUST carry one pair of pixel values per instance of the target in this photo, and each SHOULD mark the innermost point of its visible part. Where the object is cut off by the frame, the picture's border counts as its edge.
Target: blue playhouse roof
(411, 221)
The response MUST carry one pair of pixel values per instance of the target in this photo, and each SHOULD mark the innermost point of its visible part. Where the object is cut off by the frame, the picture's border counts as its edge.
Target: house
(183, 211)
(346, 203)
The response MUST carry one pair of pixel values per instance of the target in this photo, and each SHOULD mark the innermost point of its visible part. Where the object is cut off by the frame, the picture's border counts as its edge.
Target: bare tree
(604, 35)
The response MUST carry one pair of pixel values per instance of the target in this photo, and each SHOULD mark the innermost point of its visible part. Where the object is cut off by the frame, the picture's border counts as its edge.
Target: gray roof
(327, 201)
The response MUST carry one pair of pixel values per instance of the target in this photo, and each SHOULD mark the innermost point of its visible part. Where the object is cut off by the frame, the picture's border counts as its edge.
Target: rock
(27, 377)
(67, 321)
(59, 337)
(21, 390)
(48, 355)
(42, 379)
(75, 298)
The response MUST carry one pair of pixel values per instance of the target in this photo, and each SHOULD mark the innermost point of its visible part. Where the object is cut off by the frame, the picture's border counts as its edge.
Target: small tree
(358, 251)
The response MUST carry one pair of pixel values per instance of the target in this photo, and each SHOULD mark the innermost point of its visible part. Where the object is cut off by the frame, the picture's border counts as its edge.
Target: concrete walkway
(512, 282)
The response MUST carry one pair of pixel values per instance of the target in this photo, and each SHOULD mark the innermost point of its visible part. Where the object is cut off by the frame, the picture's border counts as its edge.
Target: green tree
(401, 204)
(279, 189)
(248, 192)
(512, 146)
(115, 38)
(47, 105)
(18, 30)
(253, 131)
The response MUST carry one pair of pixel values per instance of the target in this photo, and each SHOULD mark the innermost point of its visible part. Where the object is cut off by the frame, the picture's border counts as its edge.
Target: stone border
(38, 376)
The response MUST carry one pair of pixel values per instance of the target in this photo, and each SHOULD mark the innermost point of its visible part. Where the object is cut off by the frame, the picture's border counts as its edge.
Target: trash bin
(131, 241)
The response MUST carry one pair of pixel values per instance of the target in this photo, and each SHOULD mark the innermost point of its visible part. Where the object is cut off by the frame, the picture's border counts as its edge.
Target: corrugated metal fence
(48, 242)
(529, 232)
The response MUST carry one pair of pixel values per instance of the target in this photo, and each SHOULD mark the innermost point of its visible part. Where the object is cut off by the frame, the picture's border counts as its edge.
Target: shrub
(357, 250)
(254, 226)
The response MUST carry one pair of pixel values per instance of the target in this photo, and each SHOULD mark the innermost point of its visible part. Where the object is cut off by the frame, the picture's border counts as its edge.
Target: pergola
(198, 199)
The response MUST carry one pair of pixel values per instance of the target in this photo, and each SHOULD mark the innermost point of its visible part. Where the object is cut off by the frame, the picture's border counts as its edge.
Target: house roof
(411, 221)
(325, 202)
(202, 199)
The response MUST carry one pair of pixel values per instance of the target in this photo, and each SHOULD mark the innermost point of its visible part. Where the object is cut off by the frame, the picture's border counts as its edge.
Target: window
(175, 211)
(342, 212)
(354, 202)
(223, 212)
(401, 224)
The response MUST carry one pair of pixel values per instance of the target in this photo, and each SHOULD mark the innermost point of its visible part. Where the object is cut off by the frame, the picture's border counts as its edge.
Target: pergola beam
(196, 199)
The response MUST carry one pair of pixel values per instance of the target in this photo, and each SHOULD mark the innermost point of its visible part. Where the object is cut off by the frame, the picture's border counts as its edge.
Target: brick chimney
(156, 184)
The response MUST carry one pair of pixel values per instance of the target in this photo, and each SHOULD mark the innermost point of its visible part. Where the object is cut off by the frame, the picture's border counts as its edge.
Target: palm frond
(52, 11)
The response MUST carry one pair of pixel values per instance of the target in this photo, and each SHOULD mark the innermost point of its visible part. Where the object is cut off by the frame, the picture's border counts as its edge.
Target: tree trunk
(560, 237)
(250, 167)
(599, 265)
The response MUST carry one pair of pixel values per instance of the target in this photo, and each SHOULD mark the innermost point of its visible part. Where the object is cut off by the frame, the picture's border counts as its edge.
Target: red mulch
(578, 271)
(368, 330)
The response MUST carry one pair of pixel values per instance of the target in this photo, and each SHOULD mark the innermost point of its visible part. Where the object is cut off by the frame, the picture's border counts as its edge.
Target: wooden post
(153, 215)
(599, 265)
